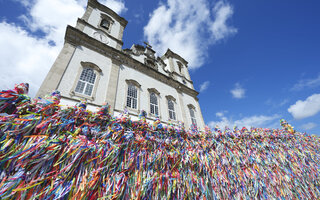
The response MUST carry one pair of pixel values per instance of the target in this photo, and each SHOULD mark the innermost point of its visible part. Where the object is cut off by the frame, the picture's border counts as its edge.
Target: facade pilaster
(113, 85)
(182, 109)
(200, 114)
(53, 78)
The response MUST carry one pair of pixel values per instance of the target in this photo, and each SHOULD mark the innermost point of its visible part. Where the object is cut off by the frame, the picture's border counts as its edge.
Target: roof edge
(96, 4)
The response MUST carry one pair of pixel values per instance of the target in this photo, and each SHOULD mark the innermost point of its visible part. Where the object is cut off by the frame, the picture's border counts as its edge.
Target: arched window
(154, 108)
(180, 67)
(105, 24)
(86, 82)
(192, 115)
(172, 114)
(132, 96)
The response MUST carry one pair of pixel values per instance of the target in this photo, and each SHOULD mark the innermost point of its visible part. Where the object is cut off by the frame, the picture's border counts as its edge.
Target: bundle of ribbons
(52, 152)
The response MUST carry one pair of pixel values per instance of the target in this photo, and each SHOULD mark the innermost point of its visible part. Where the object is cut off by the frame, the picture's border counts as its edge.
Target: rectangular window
(192, 115)
(86, 82)
(154, 104)
(132, 96)
(172, 114)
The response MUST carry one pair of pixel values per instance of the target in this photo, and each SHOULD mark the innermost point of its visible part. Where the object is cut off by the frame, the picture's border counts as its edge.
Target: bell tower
(103, 24)
(86, 67)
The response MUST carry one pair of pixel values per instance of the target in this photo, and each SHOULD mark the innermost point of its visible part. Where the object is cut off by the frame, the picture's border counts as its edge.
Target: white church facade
(92, 65)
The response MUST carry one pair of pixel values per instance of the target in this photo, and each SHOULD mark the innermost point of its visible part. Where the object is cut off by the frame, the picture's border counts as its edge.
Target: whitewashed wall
(190, 100)
(145, 82)
(68, 102)
(69, 78)
(184, 72)
(164, 89)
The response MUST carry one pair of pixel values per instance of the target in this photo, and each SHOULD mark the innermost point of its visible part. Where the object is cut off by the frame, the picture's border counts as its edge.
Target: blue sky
(254, 62)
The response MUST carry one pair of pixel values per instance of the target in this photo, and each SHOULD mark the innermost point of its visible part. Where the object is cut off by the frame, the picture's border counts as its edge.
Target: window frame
(180, 68)
(138, 86)
(96, 70)
(194, 118)
(84, 85)
(157, 94)
(173, 100)
(132, 97)
(103, 25)
(107, 18)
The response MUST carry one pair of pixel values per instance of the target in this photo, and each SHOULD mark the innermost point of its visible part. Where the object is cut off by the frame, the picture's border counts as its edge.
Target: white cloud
(276, 104)
(220, 114)
(204, 86)
(238, 91)
(306, 83)
(117, 6)
(49, 17)
(257, 121)
(222, 13)
(25, 57)
(188, 28)
(260, 121)
(309, 126)
(303, 109)
(223, 122)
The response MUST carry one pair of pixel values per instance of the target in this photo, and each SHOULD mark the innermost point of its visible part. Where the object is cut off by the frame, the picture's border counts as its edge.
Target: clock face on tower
(99, 35)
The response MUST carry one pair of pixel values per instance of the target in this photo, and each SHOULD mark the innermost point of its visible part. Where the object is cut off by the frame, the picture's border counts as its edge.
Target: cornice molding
(133, 82)
(96, 4)
(191, 106)
(92, 65)
(171, 98)
(78, 38)
(154, 90)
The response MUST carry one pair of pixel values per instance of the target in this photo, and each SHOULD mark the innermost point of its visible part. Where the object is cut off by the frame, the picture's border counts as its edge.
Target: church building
(92, 65)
